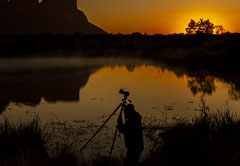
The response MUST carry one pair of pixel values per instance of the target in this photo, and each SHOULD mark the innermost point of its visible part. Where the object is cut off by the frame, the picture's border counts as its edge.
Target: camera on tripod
(120, 106)
(125, 93)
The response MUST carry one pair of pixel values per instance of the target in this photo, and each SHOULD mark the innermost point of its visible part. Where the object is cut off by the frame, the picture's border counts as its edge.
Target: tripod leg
(101, 126)
(115, 136)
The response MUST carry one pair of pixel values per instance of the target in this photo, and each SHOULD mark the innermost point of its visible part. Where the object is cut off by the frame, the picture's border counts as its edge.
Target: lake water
(75, 89)
(83, 92)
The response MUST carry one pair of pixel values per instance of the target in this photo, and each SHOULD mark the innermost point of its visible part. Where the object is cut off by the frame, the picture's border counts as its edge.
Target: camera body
(125, 93)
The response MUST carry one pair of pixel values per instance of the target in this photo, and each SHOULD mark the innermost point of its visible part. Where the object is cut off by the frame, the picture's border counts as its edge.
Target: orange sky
(159, 16)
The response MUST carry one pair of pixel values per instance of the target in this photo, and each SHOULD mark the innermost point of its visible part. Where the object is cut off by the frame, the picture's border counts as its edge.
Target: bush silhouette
(219, 29)
(203, 27)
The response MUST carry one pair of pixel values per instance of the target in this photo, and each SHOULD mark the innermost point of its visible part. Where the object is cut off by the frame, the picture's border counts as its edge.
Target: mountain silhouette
(49, 16)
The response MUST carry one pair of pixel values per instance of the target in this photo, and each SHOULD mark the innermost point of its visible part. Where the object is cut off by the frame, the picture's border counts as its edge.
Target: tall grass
(211, 138)
(24, 143)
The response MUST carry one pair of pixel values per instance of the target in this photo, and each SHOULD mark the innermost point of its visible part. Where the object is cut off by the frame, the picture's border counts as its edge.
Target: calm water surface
(80, 89)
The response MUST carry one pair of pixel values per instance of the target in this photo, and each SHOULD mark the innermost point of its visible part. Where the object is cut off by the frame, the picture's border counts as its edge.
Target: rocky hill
(49, 16)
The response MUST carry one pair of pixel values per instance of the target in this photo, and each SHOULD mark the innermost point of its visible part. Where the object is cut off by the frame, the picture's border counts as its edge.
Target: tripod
(121, 105)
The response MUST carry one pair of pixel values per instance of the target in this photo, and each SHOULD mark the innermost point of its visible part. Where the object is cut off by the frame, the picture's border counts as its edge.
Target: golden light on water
(151, 87)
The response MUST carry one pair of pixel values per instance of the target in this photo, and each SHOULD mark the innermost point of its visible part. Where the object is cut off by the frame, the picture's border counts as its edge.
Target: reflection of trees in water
(206, 85)
(203, 85)
(234, 91)
(130, 68)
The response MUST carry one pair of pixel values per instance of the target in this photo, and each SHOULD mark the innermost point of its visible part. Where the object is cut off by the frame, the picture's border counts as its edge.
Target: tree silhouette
(200, 27)
(191, 27)
(219, 29)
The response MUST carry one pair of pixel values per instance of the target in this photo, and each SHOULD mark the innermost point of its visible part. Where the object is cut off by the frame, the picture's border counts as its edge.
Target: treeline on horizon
(193, 50)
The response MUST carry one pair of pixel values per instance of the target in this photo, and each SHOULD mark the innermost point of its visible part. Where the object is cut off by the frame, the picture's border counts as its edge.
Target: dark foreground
(209, 139)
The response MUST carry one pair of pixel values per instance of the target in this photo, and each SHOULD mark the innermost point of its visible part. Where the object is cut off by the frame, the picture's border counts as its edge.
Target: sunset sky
(159, 16)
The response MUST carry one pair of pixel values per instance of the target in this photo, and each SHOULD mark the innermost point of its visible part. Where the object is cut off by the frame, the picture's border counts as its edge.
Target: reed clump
(212, 138)
(24, 143)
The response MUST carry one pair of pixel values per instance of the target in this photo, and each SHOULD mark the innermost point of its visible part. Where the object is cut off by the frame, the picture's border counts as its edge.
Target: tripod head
(125, 93)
